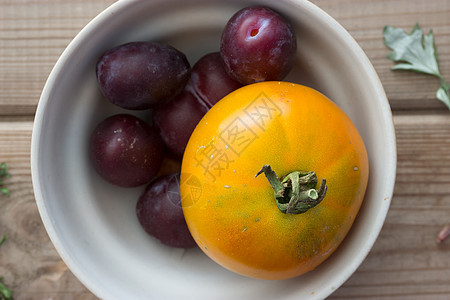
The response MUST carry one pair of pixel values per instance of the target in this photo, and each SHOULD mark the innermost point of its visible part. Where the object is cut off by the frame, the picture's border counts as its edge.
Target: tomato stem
(295, 193)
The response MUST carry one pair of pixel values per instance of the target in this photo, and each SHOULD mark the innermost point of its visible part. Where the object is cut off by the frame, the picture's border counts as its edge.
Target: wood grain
(405, 262)
(33, 34)
(365, 21)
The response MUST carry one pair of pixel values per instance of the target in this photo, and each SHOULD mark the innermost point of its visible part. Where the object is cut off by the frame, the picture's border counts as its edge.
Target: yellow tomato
(236, 217)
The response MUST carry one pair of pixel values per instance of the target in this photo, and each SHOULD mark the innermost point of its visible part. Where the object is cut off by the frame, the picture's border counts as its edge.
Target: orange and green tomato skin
(233, 216)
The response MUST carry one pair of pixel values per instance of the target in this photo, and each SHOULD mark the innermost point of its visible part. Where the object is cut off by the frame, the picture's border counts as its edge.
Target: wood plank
(34, 33)
(365, 21)
(29, 263)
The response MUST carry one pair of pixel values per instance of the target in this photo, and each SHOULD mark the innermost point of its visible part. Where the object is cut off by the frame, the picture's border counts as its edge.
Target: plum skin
(209, 80)
(257, 44)
(177, 119)
(142, 75)
(160, 214)
(125, 151)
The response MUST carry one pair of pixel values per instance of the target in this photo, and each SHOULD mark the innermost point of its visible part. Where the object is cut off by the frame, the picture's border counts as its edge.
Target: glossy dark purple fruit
(177, 120)
(142, 75)
(126, 151)
(209, 80)
(258, 45)
(208, 84)
(160, 213)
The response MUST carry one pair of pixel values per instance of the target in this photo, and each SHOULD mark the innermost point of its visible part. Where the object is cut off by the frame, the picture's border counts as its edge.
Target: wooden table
(405, 263)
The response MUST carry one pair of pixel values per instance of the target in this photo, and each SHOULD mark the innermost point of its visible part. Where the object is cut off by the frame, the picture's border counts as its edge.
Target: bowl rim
(118, 6)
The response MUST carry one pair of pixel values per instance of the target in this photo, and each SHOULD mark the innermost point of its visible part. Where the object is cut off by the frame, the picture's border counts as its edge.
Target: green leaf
(443, 95)
(4, 174)
(5, 191)
(4, 170)
(415, 52)
(5, 292)
(410, 50)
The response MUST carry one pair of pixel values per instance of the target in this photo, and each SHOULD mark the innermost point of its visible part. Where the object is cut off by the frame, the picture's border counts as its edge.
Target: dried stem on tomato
(296, 193)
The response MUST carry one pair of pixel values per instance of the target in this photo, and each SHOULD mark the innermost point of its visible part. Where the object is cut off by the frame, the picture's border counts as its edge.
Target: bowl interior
(93, 223)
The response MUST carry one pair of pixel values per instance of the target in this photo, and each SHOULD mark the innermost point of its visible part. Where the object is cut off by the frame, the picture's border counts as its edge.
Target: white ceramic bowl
(93, 225)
